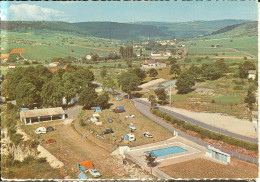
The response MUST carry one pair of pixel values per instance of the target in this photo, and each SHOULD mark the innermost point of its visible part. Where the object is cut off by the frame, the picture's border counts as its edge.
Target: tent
(119, 109)
(85, 165)
(82, 175)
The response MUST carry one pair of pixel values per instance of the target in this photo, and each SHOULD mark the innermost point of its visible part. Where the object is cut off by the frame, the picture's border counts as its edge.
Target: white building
(54, 64)
(153, 64)
(11, 66)
(251, 74)
(88, 57)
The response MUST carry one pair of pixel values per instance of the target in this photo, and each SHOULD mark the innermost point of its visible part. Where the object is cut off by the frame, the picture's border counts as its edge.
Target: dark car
(107, 131)
(109, 120)
(50, 128)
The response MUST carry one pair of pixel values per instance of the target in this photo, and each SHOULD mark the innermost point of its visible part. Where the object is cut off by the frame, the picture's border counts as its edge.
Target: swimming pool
(166, 151)
(163, 85)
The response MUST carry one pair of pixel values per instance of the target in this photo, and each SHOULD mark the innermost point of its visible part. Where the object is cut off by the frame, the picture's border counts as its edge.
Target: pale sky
(166, 11)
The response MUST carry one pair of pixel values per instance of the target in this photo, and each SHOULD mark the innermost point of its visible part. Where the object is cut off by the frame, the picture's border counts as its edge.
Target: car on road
(109, 120)
(94, 173)
(132, 126)
(148, 134)
(107, 131)
(50, 140)
(130, 116)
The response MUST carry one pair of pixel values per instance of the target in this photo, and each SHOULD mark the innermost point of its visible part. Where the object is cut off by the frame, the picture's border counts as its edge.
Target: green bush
(16, 138)
(42, 160)
(238, 87)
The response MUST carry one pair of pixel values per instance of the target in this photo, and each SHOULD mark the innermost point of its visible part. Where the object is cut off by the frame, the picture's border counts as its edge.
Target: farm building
(161, 53)
(251, 74)
(54, 64)
(153, 64)
(217, 154)
(40, 115)
(11, 66)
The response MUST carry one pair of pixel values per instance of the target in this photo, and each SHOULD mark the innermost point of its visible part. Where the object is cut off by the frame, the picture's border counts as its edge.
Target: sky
(161, 11)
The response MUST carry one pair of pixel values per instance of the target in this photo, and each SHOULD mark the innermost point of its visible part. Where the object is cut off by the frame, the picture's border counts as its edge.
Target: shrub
(42, 160)
(238, 87)
(29, 159)
(16, 138)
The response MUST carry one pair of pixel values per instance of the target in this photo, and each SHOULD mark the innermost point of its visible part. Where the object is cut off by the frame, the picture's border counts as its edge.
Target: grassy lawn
(120, 125)
(202, 168)
(227, 97)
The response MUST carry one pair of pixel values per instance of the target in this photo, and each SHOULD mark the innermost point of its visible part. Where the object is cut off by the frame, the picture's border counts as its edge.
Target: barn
(41, 115)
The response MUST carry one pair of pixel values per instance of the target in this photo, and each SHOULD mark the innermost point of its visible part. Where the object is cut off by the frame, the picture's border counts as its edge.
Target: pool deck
(193, 151)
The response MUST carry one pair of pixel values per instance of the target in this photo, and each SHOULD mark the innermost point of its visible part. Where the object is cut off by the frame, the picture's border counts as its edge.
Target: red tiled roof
(54, 70)
(11, 64)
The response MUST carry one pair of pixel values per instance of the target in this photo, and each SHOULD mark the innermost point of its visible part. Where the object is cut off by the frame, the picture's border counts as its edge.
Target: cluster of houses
(166, 42)
(161, 53)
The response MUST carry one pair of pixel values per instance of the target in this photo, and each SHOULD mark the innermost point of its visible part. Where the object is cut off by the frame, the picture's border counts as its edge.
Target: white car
(130, 116)
(40, 130)
(148, 134)
(132, 126)
(94, 173)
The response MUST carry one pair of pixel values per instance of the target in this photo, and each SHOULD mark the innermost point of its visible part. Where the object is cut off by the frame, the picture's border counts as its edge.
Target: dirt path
(109, 50)
(229, 123)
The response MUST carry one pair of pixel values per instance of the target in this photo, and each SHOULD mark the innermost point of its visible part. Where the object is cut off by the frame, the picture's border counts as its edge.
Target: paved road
(209, 127)
(144, 108)
(71, 112)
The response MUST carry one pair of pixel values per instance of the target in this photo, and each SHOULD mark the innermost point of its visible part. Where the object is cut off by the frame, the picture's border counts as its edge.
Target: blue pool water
(166, 151)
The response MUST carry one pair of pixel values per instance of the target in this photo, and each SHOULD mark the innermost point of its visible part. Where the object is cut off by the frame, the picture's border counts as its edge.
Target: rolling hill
(129, 31)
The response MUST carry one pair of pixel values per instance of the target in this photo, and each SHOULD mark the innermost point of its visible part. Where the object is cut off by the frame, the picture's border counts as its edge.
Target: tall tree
(185, 82)
(102, 100)
(153, 72)
(161, 94)
(103, 73)
(152, 100)
(139, 72)
(109, 83)
(175, 69)
(88, 97)
(53, 92)
(250, 99)
(128, 82)
(150, 160)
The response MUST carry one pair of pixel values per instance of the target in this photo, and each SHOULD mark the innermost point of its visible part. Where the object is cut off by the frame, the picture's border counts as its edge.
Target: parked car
(132, 126)
(107, 131)
(50, 140)
(148, 134)
(94, 173)
(50, 128)
(40, 130)
(109, 120)
(130, 116)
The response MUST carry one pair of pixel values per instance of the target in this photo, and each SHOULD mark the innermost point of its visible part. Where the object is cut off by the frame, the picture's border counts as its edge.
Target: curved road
(144, 108)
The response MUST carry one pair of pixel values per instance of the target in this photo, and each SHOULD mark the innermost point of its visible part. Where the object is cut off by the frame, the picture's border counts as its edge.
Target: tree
(102, 100)
(128, 82)
(88, 97)
(110, 83)
(153, 72)
(175, 69)
(195, 71)
(150, 160)
(139, 72)
(25, 93)
(53, 92)
(172, 60)
(185, 82)
(161, 94)
(244, 67)
(153, 101)
(5, 88)
(94, 57)
(250, 99)
(141, 52)
(103, 73)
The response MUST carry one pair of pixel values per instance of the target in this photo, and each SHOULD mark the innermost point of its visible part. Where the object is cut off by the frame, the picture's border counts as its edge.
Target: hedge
(206, 133)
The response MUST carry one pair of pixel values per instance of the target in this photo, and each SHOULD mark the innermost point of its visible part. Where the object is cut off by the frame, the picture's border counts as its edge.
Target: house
(11, 66)
(54, 70)
(88, 57)
(217, 154)
(153, 64)
(54, 64)
(251, 74)
(161, 53)
(40, 115)
(4, 57)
